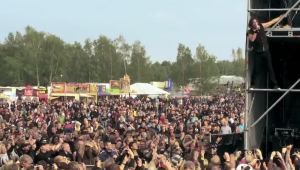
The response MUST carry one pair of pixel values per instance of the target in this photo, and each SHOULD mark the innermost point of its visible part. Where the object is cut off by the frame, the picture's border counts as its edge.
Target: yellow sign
(42, 90)
(104, 89)
(94, 88)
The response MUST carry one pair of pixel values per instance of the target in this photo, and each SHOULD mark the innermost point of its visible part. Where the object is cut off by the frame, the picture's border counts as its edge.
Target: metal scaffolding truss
(250, 94)
(287, 32)
(282, 32)
(270, 108)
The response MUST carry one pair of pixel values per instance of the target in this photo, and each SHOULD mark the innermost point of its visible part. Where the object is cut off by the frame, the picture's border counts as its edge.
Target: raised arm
(273, 21)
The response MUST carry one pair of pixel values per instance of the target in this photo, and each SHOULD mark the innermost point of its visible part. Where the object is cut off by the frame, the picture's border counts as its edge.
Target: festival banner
(58, 87)
(114, 84)
(28, 91)
(102, 90)
(70, 88)
(93, 89)
(169, 84)
(113, 91)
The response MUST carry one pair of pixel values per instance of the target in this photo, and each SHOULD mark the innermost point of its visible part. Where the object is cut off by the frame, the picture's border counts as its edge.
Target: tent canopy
(235, 79)
(147, 89)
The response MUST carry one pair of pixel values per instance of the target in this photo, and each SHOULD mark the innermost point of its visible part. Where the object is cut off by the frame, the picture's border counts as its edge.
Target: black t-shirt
(260, 44)
(94, 114)
(44, 157)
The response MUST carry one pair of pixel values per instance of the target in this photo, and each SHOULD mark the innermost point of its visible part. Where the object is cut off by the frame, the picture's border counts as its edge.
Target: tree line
(39, 58)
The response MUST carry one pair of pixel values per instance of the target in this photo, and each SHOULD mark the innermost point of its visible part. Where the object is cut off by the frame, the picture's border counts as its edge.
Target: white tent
(147, 89)
(230, 79)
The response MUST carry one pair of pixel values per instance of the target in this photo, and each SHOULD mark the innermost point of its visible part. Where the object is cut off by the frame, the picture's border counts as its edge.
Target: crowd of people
(120, 133)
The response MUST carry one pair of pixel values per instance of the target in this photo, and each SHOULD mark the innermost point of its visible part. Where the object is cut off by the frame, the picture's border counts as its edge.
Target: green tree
(39, 58)
(33, 41)
(160, 72)
(183, 62)
(89, 55)
(239, 63)
(208, 73)
(236, 66)
(140, 65)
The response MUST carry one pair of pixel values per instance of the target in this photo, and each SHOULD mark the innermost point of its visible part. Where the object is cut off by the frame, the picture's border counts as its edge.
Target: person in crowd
(225, 129)
(122, 133)
(66, 151)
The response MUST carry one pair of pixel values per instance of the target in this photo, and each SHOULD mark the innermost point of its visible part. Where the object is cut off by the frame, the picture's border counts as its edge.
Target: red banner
(28, 91)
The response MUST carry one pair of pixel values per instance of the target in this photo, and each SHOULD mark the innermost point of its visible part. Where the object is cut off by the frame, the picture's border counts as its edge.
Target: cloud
(163, 16)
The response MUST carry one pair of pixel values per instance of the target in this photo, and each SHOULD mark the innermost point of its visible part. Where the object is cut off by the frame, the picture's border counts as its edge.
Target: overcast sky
(160, 25)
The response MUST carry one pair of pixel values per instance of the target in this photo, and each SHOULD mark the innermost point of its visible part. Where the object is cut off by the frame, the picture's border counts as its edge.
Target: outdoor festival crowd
(128, 133)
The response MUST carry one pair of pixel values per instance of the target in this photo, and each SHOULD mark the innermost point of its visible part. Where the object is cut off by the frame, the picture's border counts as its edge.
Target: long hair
(250, 23)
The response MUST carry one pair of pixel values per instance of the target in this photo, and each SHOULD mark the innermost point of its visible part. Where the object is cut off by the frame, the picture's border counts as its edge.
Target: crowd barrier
(89, 167)
(229, 143)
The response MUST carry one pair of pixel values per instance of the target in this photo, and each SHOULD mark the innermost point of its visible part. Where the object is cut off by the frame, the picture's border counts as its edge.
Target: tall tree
(184, 61)
(239, 63)
(208, 76)
(34, 40)
(89, 54)
(124, 50)
(139, 68)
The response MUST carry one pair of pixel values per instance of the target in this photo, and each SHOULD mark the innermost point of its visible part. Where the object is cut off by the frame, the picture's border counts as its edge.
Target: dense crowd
(122, 133)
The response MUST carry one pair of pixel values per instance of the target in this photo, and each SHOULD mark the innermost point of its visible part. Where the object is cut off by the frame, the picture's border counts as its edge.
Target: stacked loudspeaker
(282, 138)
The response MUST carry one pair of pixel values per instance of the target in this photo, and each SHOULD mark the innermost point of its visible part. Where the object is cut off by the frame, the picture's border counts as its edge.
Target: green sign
(112, 91)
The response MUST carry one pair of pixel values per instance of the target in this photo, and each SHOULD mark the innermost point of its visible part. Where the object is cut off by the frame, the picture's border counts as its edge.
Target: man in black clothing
(261, 54)
(26, 149)
(44, 153)
(66, 152)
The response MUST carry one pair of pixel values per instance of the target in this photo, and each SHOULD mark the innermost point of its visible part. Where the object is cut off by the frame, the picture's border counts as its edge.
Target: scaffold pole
(247, 78)
(252, 101)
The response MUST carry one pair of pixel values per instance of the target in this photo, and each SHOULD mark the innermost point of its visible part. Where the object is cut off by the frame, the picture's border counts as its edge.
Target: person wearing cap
(68, 128)
(44, 152)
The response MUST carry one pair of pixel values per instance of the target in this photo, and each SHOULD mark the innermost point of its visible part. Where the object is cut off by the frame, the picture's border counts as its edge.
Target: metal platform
(283, 32)
(274, 9)
(283, 29)
(273, 90)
